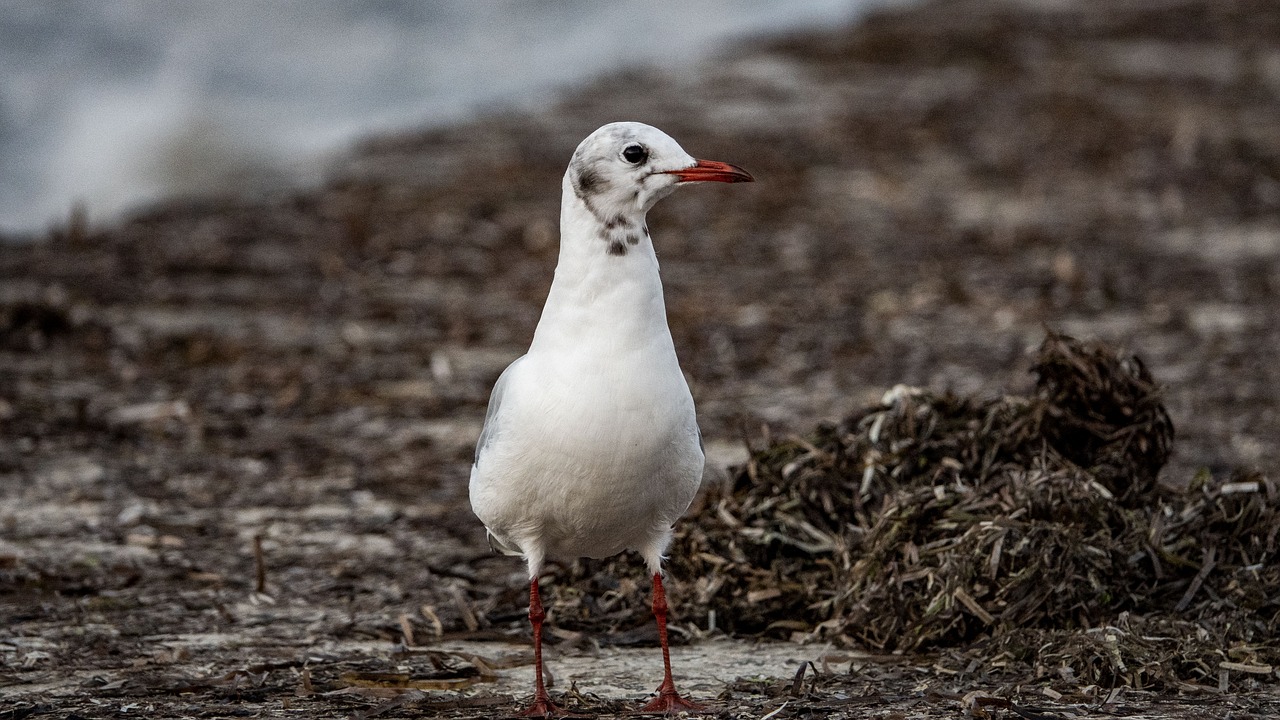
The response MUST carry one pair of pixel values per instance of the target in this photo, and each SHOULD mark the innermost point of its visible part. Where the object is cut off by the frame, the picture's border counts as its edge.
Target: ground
(235, 434)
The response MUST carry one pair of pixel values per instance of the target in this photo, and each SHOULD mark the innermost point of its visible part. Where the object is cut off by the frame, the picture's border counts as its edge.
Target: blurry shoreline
(114, 108)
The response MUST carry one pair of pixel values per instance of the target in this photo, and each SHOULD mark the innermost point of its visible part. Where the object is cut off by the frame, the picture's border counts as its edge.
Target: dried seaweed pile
(1020, 528)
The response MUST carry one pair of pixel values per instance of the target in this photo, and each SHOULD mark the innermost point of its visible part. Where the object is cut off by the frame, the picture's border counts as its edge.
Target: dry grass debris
(1018, 531)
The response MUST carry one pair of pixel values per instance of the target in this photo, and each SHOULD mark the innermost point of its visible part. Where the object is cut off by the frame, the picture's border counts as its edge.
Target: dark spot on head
(633, 239)
(617, 248)
(585, 180)
(617, 221)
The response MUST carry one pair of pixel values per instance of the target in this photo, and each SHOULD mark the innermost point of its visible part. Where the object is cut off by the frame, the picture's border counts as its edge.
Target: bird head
(623, 168)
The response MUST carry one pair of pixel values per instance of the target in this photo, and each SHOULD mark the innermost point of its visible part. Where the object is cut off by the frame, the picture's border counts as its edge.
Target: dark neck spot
(619, 231)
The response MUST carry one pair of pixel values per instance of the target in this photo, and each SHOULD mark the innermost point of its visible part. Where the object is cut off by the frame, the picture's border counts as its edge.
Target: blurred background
(114, 104)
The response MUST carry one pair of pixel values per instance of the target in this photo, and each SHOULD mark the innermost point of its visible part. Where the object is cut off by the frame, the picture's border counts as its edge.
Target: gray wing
(491, 419)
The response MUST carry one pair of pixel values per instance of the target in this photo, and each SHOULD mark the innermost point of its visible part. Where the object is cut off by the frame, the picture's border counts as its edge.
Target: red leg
(542, 705)
(668, 700)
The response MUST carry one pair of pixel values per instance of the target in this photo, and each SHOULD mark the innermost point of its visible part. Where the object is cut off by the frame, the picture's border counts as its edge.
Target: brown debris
(1104, 415)
(1028, 526)
(259, 566)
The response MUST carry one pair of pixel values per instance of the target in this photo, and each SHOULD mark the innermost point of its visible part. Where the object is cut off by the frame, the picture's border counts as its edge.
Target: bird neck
(607, 290)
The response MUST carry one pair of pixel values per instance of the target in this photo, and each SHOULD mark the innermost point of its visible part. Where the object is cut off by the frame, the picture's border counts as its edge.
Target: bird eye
(635, 154)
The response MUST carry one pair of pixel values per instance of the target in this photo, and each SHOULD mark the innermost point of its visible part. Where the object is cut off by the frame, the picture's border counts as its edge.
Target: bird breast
(594, 455)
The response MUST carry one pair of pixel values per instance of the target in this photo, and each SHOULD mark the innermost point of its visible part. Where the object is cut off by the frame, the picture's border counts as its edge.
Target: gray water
(109, 104)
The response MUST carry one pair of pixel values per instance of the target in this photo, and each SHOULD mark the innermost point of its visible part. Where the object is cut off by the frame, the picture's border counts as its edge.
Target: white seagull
(590, 445)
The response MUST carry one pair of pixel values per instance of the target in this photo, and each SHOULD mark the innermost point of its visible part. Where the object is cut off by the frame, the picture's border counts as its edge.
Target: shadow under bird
(590, 446)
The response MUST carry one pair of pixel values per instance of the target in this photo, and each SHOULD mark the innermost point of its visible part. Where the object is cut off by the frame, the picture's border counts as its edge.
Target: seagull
(590, 445)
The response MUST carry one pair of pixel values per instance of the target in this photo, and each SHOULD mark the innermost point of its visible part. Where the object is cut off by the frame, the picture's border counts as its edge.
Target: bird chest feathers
(604, 415)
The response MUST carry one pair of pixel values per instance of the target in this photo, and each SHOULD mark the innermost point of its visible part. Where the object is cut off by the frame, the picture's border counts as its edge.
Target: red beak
(712, 171)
